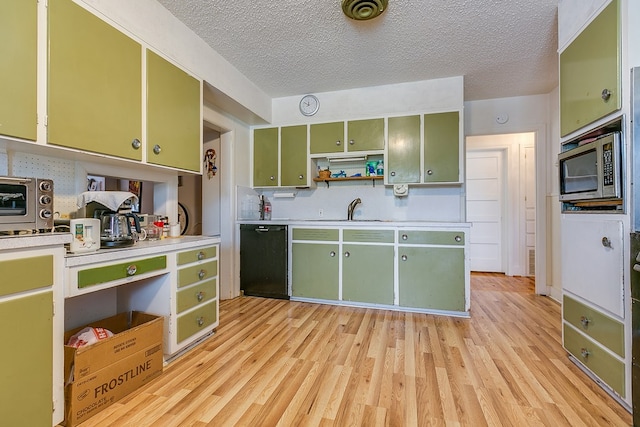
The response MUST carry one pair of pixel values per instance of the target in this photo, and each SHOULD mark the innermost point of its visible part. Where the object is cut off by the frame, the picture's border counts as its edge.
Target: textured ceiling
(502, 48)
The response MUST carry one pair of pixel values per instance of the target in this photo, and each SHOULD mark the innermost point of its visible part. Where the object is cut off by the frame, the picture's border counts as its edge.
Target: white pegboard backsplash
(61, 171)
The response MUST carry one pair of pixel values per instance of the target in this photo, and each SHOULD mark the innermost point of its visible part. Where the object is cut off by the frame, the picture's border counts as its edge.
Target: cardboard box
(100, 374)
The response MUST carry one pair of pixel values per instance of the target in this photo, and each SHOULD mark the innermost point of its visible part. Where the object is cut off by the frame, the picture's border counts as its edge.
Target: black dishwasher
(263, 260)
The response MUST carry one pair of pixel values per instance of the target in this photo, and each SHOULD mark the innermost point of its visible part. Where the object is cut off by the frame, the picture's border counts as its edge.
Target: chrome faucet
(352, 207)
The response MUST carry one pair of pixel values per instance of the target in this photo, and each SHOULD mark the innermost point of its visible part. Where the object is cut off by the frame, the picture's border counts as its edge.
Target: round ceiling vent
(362, 10)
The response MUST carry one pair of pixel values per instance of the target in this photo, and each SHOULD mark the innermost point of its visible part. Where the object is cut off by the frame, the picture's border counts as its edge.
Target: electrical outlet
(320, 213)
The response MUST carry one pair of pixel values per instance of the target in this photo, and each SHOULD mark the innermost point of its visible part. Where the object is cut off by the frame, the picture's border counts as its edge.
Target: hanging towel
(111, 199)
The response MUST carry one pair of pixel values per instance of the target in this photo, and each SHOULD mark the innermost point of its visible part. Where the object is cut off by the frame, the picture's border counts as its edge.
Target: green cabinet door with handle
(18, 68)
(403, 152)
(365, 135)
(367, 273)
(315, 269)
(326, 138)
(442, 147)
(590, 72)
(94, 84)
(174, 120)
(431, 277)
(265, 157)
(293, 158)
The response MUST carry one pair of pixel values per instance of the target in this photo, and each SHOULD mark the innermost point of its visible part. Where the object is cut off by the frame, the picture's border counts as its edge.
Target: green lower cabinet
(367, 273)
(26, 364)
(594, 357)
(431, 278)
(314, 270)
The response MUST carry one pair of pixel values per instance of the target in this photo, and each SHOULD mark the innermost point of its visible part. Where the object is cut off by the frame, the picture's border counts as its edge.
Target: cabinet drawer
(195, 273)
(197, 320)
(431, 237)
(194, 255)
(604, 365)
(374, 236)
(19, 275)
(598, 326)
(194, 295)
(98, 275)
(320, 234)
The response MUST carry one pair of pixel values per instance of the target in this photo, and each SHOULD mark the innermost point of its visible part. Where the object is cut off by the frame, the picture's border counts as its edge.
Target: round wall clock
(183, 218)
(309, 105)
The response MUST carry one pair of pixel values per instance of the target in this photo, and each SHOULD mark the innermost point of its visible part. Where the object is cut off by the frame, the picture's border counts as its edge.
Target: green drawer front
(373, 236)
(194, 255)
(321, 234)
(431, 237)
(201, 293)
(96, 276)
(191, 323)
(196, 273)
(598, 326)
(19, 275)
(604, 365)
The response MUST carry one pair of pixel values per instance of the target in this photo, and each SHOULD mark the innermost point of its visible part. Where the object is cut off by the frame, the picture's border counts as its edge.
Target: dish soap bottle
(267, 210)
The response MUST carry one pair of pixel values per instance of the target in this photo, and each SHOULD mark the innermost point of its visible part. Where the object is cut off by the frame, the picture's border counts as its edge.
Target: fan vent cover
(362, 10)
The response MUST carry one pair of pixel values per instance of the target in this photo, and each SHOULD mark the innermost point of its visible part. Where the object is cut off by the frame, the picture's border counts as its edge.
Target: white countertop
(358, 223)
(140, 249)
(24, 241)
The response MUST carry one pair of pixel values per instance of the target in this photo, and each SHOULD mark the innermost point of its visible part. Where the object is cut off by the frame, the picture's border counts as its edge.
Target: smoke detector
(362, 10)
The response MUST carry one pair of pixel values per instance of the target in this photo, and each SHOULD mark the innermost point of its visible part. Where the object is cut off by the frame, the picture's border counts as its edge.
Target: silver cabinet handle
(393, 173)
(200, 296)
(201, 255)
(584, 352)
(606, 94)
(157, 149)
(347, 254)
(457, 239)
(585, 321)
(200, 321)
(404, 257)
(132, 270)
(202, 274)
(332, 253)
(606, 242)
(429, 172)
(351, 142)
(136, 144)
(405, 237)
(338, 142)
(272, 177)
(300, 176)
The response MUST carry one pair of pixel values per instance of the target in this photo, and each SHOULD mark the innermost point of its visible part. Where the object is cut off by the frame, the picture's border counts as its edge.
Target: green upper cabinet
(327, 138)
(294, 165)
(403, 152)
(174, 119)
(590, 72)
(365, 135)
(18, 69)
(95, 84)
(265, 157)
(442, 147)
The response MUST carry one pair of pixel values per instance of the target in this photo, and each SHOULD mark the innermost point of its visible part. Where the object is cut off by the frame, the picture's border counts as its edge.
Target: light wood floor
(275, 362)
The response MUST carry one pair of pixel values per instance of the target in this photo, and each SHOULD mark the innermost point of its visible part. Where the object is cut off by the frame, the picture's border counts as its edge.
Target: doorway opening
(501, 203)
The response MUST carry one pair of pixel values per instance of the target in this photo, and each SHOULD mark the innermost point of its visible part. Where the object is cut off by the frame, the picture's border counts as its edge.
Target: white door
(485, 200)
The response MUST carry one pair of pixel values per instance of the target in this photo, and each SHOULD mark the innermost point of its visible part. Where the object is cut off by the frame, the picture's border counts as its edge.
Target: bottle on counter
(267, 210)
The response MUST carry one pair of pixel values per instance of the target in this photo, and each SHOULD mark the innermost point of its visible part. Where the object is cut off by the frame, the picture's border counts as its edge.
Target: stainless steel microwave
(26, 204)
(592, 170)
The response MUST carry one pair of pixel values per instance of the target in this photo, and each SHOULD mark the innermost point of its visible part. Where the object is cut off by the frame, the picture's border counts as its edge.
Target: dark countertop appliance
(263, 260)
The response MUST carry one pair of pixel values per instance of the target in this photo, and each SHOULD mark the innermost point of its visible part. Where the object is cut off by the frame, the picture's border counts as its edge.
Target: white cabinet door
(593, 262)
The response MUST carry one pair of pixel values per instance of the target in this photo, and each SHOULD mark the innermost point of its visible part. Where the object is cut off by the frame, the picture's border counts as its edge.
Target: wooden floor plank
(282, 363)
